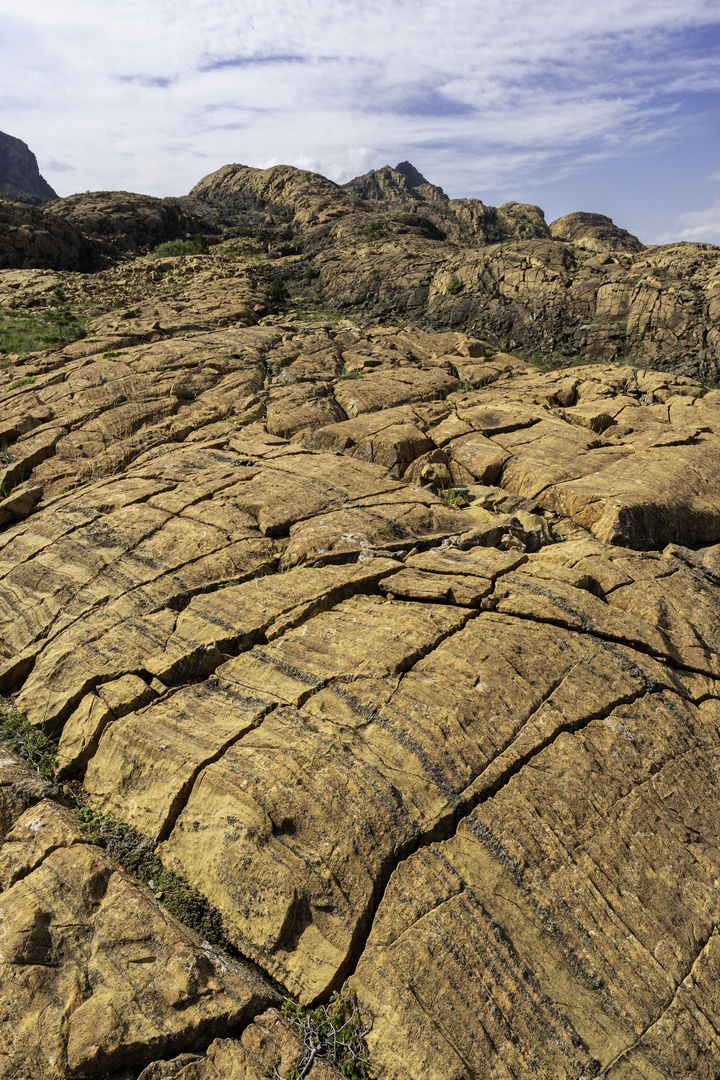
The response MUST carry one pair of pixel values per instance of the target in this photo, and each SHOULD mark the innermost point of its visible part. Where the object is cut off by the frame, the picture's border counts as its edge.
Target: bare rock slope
(394, 656)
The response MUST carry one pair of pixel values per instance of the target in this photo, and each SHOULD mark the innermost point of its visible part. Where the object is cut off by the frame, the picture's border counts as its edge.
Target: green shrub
(334, 1033)
(30, 742)
(98, 825)
(455, 286)
(277, 291)
(374, 229)
(197, 246)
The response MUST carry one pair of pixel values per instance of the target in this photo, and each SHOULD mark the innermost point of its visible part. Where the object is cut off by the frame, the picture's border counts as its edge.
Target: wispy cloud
(149, 95)
(701, 226)
(249, 61)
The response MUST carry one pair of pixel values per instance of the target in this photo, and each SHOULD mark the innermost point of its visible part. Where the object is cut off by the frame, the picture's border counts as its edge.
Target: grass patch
(334, 1033)
(27, 381)
(357, 373)
(32, 331)
(452, 497)
(25, 332)
(30, 742)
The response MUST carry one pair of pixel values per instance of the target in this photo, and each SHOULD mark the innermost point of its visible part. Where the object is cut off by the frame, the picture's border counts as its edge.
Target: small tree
(63, 321)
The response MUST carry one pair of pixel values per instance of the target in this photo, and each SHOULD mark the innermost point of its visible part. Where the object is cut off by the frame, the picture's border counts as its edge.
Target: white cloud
(701, 226)
(150, 95)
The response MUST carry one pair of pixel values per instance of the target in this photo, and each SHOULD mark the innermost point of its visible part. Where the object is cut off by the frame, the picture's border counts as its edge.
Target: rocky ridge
(398, 650)
(580, 289)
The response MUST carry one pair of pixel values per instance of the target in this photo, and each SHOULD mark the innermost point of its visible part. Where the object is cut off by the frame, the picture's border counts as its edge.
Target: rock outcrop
(594, 232)
(31, 238)
(19, 174)
(390, 245)
(465, 220)
(384, 658)
(119, 223)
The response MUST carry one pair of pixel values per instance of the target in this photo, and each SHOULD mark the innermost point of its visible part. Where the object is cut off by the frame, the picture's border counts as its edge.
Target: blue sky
(611, 107)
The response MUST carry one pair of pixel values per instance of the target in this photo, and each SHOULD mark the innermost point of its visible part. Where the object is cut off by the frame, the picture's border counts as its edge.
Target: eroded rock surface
(401, 651)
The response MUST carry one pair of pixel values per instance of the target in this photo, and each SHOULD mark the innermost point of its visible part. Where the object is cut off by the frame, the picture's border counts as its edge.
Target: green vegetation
(197, 246)
(27, 381)
(452, 497)
(226, 252)
(455, 286)
(374, 230)
(332, 1033)
(137, 854)
(311, 273)
(30, 331)
(30, 742)
(98, 825)
(355, 374)
(62, 318)
(278, 291)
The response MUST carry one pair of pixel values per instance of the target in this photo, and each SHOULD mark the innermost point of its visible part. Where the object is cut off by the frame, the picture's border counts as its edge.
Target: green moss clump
(137, 854)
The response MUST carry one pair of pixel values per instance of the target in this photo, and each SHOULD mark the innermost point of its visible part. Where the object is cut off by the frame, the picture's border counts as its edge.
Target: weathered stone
(270, 1038)
(403, 650)
(95, 975)
(485, 919)
(20, 788)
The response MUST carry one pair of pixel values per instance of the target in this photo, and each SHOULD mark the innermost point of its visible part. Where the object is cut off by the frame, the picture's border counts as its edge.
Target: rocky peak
(411, 174)
(19, 173)
(594, 232)
(401, 186)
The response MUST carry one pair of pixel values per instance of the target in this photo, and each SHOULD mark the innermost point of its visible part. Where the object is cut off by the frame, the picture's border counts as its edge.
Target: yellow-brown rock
(95, 975)
(398, 650)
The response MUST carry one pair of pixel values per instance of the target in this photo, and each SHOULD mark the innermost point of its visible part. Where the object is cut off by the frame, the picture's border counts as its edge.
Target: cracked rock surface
(402, 653)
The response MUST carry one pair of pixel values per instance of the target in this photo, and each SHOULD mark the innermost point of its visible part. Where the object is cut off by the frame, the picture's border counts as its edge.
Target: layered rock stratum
(393, 654)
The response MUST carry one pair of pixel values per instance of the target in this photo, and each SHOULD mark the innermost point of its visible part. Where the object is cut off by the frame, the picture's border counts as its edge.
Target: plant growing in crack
(30, 742)
(334, 1033)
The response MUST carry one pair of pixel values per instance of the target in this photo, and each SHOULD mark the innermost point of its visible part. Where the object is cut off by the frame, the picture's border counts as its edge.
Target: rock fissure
(665, 1008)
(475, 786)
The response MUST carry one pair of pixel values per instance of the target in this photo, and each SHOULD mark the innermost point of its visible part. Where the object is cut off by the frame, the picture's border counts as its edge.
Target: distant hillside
(465, 220)
(19, 174)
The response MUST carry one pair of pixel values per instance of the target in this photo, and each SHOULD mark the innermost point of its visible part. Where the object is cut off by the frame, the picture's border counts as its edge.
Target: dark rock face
(118, 223)
(19, 173)
(30, 237)
(396, 186)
